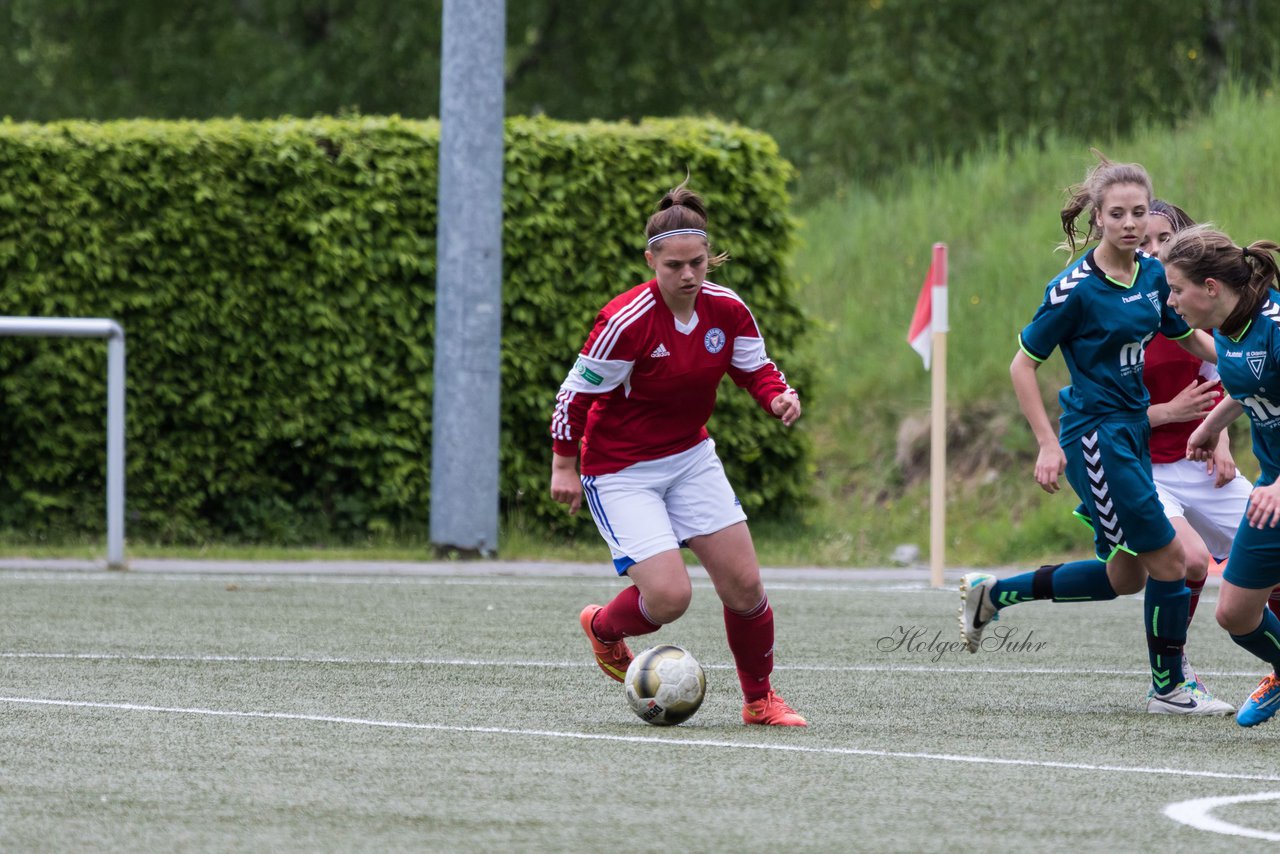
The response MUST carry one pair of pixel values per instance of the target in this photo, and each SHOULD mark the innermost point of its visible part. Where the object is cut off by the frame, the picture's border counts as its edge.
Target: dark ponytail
(680, 208)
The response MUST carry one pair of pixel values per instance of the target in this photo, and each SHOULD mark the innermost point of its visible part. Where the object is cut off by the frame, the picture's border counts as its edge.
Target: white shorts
(1187, 490)
(657, 505)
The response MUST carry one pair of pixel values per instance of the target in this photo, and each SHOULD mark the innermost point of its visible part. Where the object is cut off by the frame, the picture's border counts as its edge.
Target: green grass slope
(864, 258)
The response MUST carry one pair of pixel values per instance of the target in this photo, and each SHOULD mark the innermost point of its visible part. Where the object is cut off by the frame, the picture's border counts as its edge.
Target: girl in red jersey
(637, 401)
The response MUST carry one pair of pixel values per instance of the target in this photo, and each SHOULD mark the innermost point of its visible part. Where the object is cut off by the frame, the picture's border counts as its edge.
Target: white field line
(1196, 813)
(605, 578)
(569, 665)
(269, 580)
(635, 739)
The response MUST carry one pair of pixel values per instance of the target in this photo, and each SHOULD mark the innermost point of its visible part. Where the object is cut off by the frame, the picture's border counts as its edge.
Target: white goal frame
(83, 327)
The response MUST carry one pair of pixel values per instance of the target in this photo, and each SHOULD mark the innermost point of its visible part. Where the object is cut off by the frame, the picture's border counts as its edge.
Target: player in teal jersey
(1203, 501)
(1101, 312)
(1215, 284)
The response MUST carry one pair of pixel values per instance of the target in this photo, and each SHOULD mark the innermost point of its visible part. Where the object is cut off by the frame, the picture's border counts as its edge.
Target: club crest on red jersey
(714, 340)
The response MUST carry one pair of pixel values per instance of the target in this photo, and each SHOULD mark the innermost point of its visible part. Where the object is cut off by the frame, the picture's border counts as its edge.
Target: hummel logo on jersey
(660, 352)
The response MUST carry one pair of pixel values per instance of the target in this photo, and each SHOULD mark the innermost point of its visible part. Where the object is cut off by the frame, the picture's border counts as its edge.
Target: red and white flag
(920, 335)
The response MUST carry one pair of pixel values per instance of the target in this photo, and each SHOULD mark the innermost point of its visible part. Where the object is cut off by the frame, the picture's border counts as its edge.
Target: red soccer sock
(751, 642)
(624, 617)
(1195, 587)
(1274, 602)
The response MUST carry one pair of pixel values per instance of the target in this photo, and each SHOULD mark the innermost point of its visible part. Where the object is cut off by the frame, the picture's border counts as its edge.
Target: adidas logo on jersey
(660, 352)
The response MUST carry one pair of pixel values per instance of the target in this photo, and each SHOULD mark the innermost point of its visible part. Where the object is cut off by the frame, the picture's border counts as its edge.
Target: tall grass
(863, 259)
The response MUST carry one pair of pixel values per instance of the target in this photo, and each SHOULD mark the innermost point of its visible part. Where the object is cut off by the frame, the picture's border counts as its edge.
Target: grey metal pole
(92, 327)
(115, 451)
(468, 339)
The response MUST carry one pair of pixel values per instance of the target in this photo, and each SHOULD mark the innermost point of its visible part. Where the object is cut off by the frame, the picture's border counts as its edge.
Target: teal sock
(1264, 641)
(1082, 581)
(1078, 581)
(1165, 610)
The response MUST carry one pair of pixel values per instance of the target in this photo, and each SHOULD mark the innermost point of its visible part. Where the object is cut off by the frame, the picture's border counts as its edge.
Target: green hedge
(276, 285)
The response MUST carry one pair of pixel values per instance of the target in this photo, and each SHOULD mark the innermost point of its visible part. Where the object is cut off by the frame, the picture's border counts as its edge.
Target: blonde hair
(1087, 196)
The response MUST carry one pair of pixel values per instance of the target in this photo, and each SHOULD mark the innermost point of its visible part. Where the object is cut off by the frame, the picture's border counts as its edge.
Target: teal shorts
(1255, 558)
(1109, 467)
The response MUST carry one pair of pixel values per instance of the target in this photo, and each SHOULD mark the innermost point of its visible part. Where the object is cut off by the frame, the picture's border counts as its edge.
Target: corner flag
(934, 289)
(928, 337)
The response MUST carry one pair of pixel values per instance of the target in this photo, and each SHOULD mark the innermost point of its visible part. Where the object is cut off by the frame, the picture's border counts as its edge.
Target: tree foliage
(849, 89)
(276, 283)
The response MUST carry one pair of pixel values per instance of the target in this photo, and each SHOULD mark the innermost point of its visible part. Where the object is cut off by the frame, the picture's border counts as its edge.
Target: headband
(1164, 214)
(674, 232)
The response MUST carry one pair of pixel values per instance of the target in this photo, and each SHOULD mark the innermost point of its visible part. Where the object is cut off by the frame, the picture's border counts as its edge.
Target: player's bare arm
(566, 487)
(1051, 462)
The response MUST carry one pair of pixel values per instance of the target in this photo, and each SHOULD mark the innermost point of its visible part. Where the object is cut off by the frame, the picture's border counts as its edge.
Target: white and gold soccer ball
(665, 685)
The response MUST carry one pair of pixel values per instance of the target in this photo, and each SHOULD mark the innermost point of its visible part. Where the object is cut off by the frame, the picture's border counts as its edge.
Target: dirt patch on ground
(978, 444)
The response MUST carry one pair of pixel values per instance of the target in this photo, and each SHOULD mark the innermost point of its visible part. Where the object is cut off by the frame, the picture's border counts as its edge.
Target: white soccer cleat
(977, 609)
(1188, 699)
(1189, 674)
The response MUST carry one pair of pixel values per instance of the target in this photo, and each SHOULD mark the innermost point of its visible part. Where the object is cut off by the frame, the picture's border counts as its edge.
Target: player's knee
(668, 604)
(1127, 579)
(744, 598)
(1127, 586)
(1196, 560)
(1167, 564)
(1234, 619)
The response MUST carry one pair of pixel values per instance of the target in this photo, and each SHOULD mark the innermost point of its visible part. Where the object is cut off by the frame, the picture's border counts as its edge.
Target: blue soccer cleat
(1262, 704)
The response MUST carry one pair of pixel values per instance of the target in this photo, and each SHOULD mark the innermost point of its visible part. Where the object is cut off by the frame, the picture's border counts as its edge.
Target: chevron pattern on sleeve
(1059, 292)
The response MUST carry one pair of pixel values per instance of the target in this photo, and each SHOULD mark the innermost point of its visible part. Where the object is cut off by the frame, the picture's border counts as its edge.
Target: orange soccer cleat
(771, 710)
(613, 658)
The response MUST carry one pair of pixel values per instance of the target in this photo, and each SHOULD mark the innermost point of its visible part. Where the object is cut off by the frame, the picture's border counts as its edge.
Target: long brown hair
(1202, 252)
(1087, 196)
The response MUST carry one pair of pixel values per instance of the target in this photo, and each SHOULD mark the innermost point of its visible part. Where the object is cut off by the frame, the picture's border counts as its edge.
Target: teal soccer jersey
(1250, 369)
(1102, 328)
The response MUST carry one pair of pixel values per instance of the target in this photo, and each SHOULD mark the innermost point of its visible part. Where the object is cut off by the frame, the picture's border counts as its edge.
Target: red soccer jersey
(1168, 369)
(644, 384)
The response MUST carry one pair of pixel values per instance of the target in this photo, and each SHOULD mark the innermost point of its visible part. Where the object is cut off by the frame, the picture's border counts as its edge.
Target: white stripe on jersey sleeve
(749, 354)
(560, 427)
(581, 380)
(597, 376)
(613, 328)
(721, 291)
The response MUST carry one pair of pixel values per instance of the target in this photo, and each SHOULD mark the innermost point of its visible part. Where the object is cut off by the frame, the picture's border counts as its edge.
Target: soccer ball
(665, 685)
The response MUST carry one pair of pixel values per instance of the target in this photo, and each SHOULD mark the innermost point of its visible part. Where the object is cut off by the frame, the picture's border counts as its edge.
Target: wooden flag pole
(938, 421)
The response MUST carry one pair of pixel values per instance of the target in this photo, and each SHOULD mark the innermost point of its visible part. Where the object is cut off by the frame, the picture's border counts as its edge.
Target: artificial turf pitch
(201, 711)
